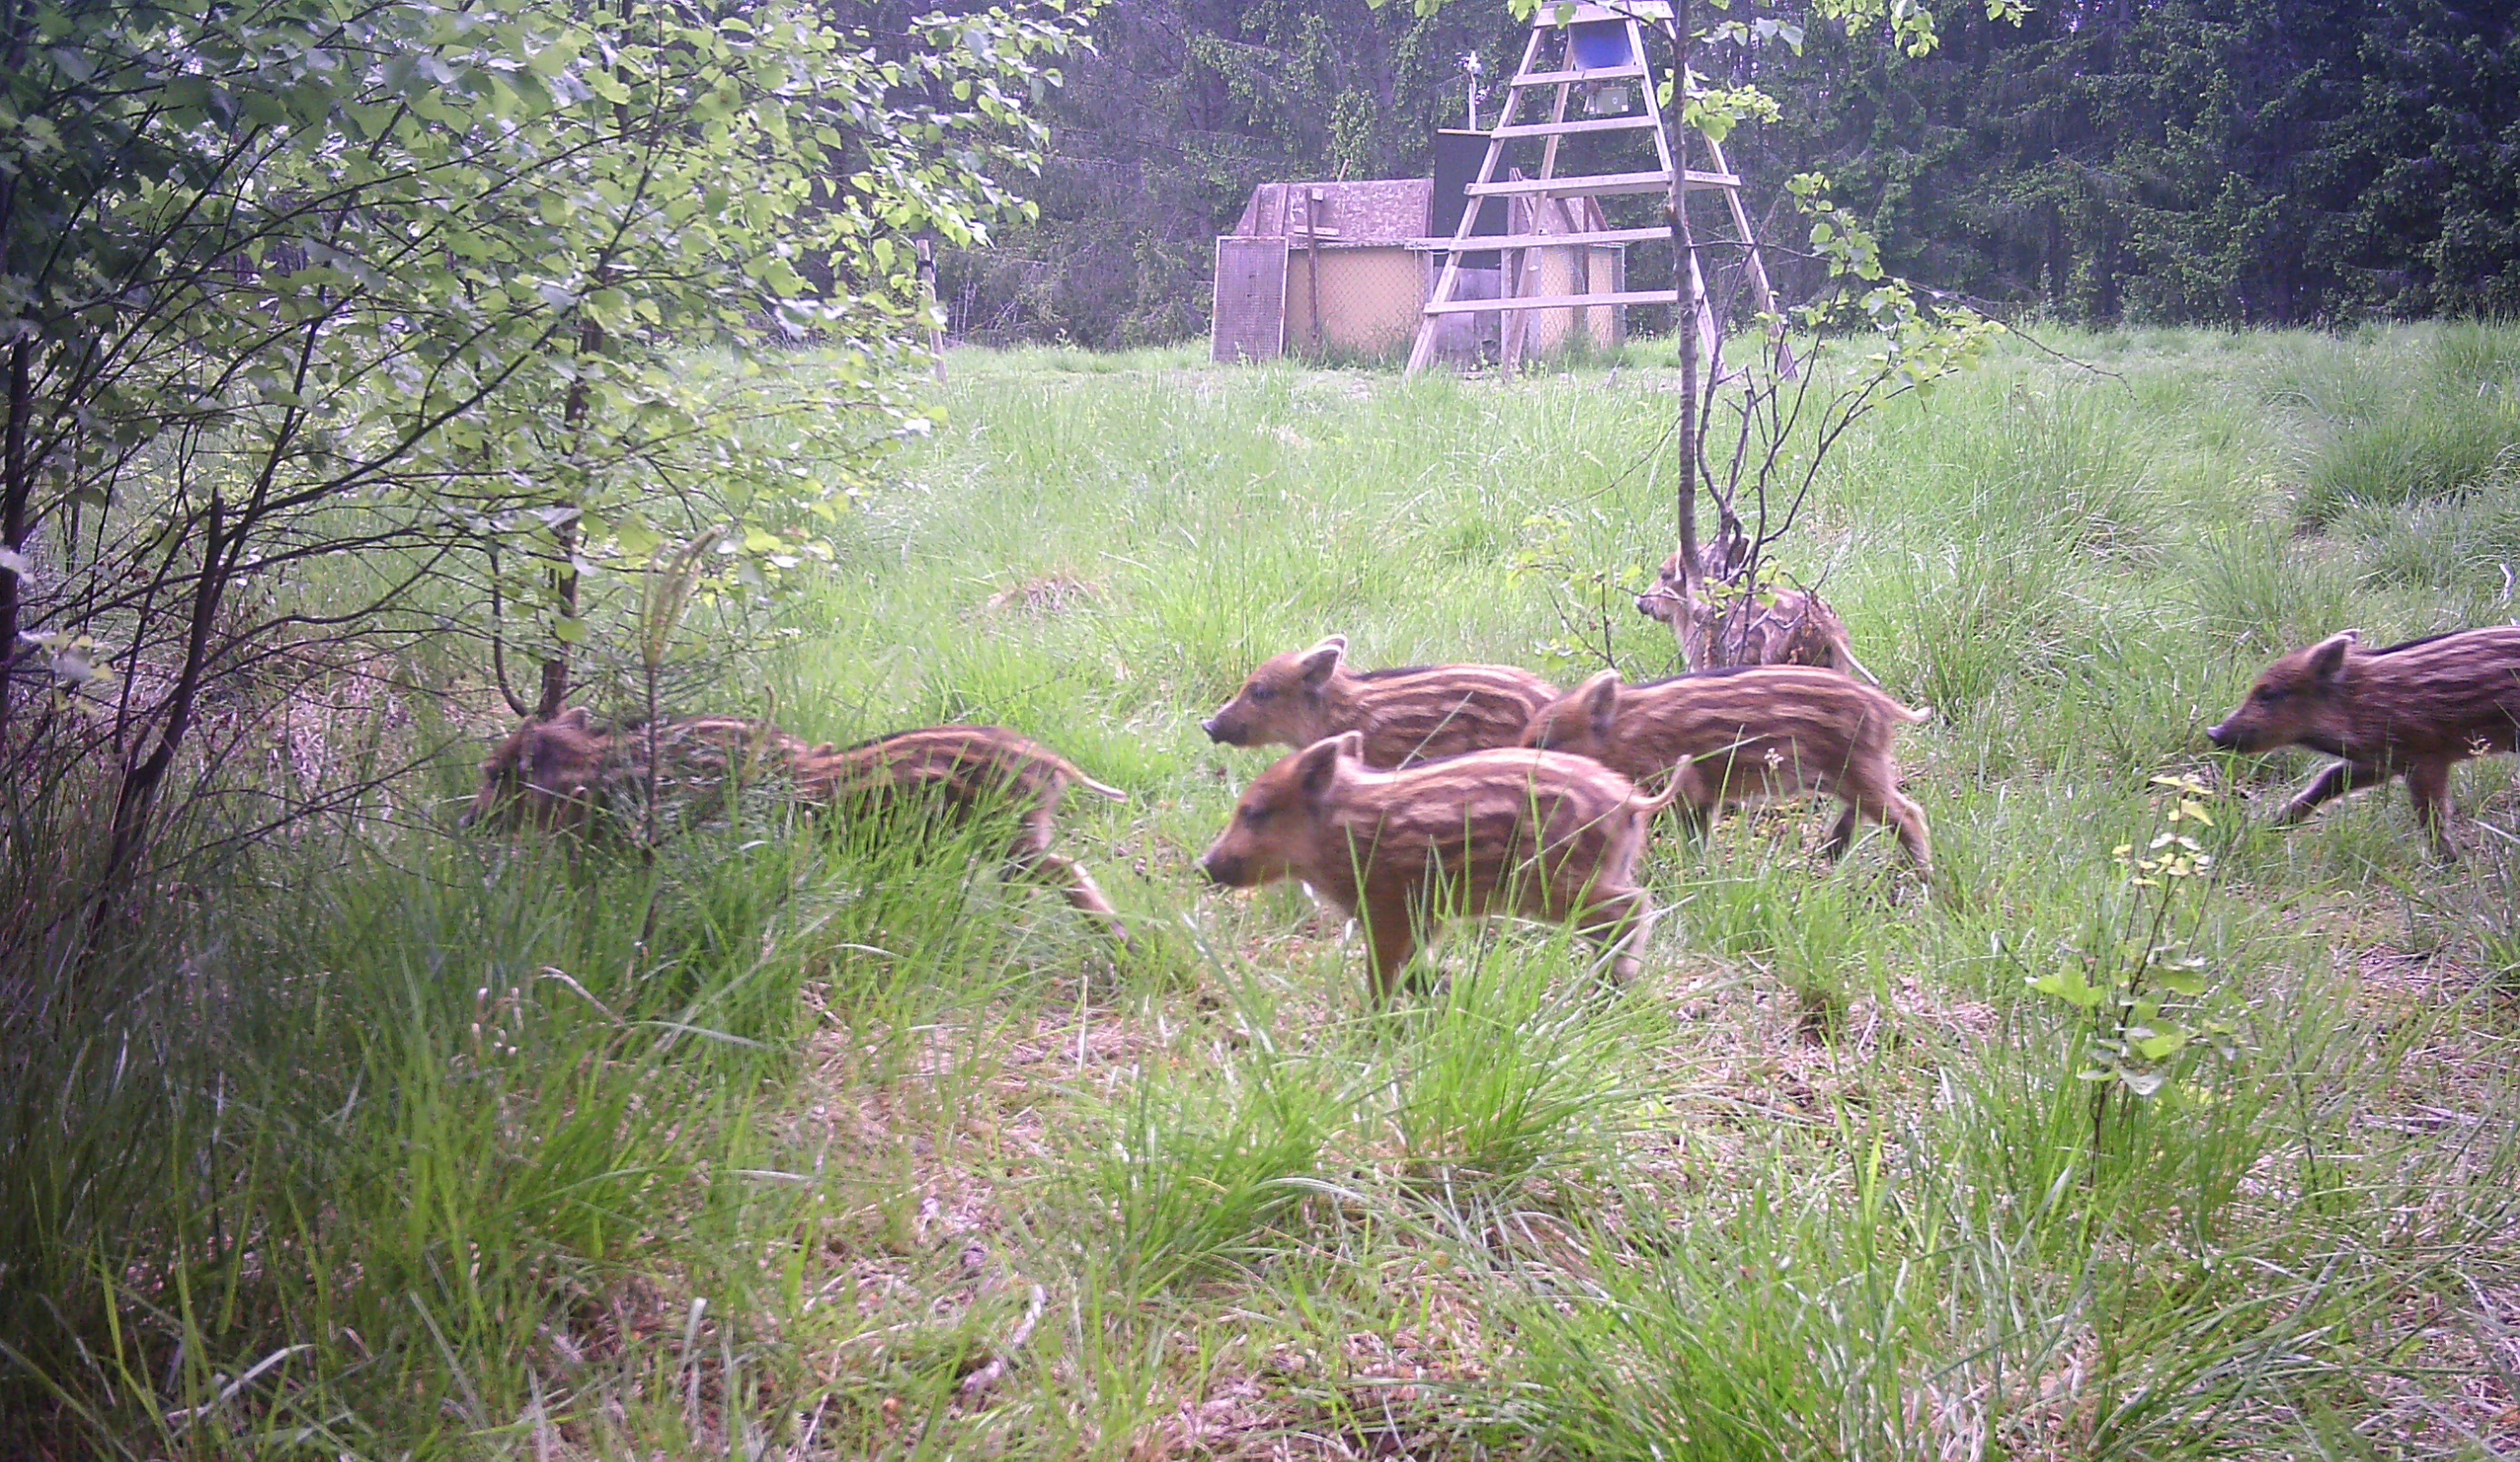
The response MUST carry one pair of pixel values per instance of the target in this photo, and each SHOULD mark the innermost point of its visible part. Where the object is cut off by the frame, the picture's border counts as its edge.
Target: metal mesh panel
(1352, 303)
(1572, 270)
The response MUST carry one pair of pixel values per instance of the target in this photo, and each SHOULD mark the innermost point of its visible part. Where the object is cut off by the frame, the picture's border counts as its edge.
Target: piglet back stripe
(991, 750)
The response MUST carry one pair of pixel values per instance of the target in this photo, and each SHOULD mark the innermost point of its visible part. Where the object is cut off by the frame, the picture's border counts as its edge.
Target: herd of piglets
(1427, 792)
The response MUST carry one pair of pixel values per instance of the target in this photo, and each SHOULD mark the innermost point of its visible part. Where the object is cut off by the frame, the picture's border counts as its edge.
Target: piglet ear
(1599, 698)
(1317, 765)
(2328, 656)
(1322, 661)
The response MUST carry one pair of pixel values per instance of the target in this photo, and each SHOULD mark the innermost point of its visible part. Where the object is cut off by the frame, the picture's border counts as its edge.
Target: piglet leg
(2334, 782)
(2429, 783)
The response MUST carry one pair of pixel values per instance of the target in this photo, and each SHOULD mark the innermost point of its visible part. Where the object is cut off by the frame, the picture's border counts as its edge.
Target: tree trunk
(138, 797)
(1684, 253)
(555, 691)
(574, 410)
(573, 415)
(16, 494)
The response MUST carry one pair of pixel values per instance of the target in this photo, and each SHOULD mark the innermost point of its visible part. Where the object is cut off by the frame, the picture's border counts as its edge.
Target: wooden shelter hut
(1342, 270)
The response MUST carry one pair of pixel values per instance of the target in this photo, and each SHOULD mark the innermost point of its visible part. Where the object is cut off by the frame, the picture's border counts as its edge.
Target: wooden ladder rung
(1586, 124)
(1602, 184)
(1553, 301)
(1481, 243)
(1583, 13)
(1529, 79)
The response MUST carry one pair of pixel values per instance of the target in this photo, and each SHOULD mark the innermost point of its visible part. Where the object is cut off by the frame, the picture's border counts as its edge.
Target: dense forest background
(2182, 161)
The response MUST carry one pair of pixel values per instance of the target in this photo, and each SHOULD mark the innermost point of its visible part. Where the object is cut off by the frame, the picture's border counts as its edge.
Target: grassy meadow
(798, 1142)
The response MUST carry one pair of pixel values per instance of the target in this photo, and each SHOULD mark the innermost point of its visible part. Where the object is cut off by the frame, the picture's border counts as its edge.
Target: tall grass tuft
(1197, 1177)
(2466, 544)
(2260, 593)
(2405, 460)
(1510, 1074)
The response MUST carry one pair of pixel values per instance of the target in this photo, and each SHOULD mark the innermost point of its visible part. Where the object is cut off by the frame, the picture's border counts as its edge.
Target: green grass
(390, 1142)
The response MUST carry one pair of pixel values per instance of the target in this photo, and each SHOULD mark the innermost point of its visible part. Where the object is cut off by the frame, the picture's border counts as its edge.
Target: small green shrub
(2148, 996)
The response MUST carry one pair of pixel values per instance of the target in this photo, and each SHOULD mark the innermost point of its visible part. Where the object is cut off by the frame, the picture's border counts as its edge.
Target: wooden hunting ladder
(1575, 46)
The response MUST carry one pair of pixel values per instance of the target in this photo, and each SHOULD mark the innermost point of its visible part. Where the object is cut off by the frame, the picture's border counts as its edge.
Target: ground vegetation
(2144, 1129)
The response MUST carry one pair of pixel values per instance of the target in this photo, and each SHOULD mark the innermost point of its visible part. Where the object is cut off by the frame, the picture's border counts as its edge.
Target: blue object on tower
(1598, 45)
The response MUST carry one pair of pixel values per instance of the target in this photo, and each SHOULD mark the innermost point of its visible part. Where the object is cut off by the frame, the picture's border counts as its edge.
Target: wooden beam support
(1480, 243)
(1636, 123)
(1531, 80)
(1553, 301)
(1600, 185)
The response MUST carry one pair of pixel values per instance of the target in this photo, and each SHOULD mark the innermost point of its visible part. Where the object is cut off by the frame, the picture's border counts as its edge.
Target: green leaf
(2142, 1083)
(2162, 1045)
(2070, 986)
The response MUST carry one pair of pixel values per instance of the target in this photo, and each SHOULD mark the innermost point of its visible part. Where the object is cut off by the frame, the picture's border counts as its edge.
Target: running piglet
(1408, 713)
(572, 772)
(2412, 710)
(1744, 735)
(1531, 832)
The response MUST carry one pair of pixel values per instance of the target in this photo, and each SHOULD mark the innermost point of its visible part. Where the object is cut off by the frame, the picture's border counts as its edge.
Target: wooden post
(927, 289)
(1509, 267)
(1313, 263)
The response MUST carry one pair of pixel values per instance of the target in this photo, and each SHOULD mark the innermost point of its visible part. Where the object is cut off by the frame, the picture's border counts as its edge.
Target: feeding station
(1342, 270)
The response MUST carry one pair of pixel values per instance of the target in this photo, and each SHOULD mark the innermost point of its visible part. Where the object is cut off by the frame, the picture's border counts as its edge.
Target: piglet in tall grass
(1532, 833)
(1778, 626)
(570, 773)
(2412, 710)
(1745, 734)
(1407, 715)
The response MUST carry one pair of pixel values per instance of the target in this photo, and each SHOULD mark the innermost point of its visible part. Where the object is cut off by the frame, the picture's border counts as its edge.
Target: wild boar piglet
(1742, 735)
(2412, 710)
(1782, 626)
(569, 773)
(572, 773)
(1531, 832)
(1407, 715)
